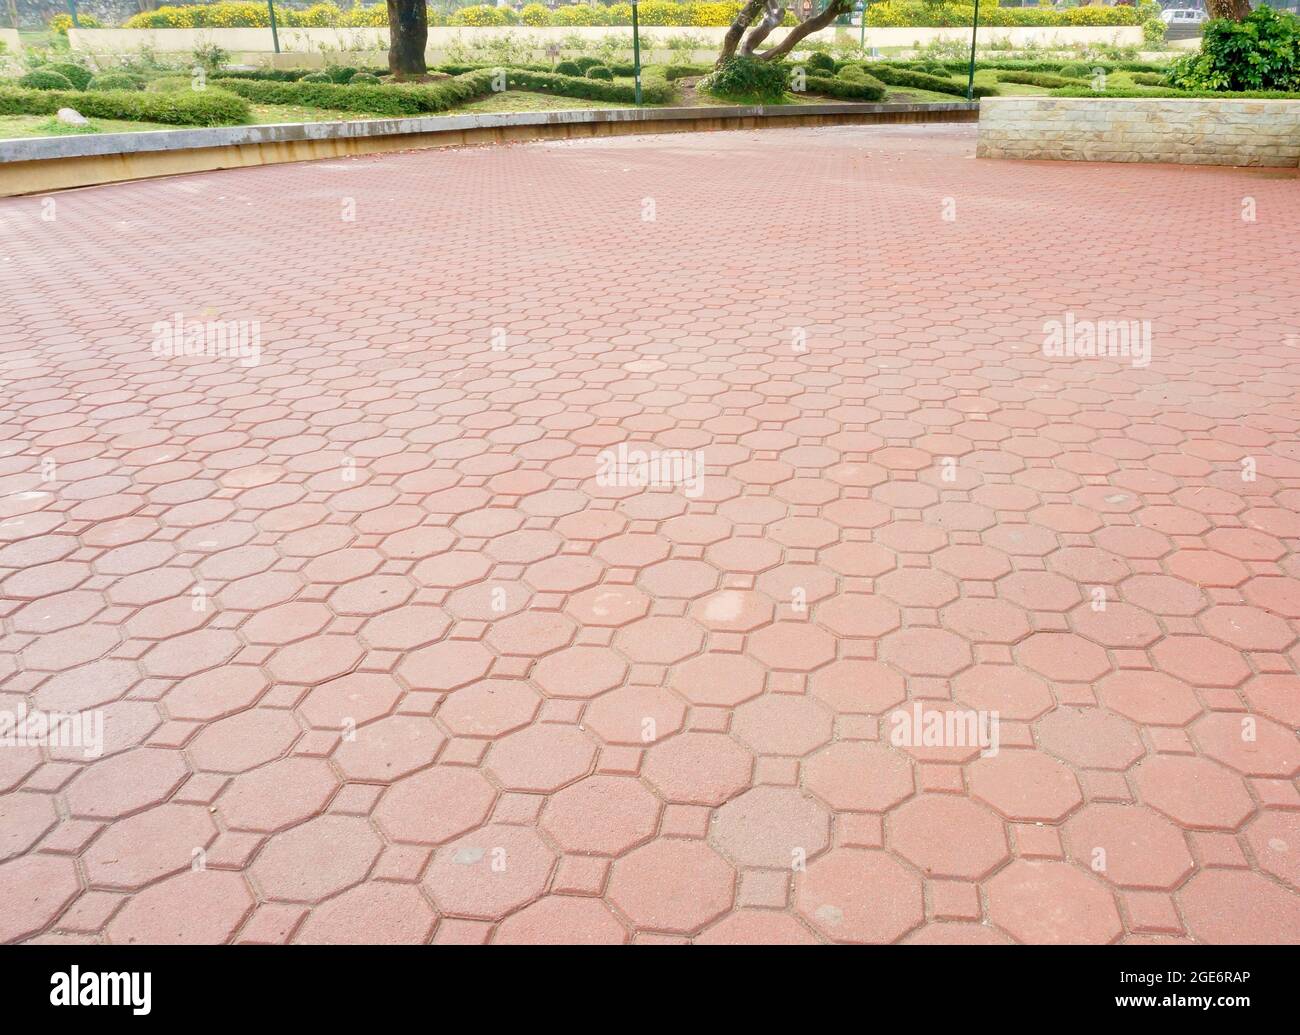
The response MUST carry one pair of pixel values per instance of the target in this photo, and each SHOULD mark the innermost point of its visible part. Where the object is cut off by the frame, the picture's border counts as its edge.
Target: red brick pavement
(379, 656)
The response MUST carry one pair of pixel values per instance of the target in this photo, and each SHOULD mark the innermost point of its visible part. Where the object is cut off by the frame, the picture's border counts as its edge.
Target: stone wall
(1112, 129)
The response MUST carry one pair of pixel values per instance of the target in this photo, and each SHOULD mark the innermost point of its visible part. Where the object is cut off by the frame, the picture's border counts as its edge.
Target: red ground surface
(474, 695)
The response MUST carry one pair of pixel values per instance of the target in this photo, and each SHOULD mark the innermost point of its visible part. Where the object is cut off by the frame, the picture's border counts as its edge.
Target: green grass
(15, 126)
(269, 114)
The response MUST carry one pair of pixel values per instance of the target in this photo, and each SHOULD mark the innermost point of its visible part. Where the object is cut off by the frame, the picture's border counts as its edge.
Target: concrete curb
(34, 165)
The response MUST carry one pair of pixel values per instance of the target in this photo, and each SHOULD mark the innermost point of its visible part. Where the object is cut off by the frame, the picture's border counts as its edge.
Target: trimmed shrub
(1147, 79)
(587, 61)
(1243, 95)
(168, 84)
(568, 68)
(1070, 71)
(1045, 79)
(748, 79)
(78, 75)
(180, 108)
(654, 88)
(394, 100)
(114, 81)
(674, 72)
(921, 81)
(45, 79)
(363, 79)
(316, 77)
(600, 72)
(278, 75)
(821, 61)
(863, 89)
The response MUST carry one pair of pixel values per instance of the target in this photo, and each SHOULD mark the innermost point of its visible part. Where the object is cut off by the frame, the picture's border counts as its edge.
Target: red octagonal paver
(382, 640)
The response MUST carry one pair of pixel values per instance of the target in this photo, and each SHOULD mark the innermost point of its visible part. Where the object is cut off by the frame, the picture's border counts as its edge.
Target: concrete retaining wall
(309, 47)
(12, 44)
(37, 165)
(1112, 129)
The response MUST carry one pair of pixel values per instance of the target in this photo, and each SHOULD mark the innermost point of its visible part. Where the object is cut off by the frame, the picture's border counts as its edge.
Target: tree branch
(743, 20)
(833, 10)
(773, 17)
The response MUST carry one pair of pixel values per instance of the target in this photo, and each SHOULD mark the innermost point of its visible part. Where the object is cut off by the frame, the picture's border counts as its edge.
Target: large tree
(408, 32)
(773, 13)
(1234, 9)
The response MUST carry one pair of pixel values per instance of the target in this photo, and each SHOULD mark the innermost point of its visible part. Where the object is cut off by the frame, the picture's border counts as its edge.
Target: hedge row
(921, 81)
(865, 89)
(1045, 79)
(182, 108)
(415, 99)
(655, 89)
(1220, 95)
(891, 13)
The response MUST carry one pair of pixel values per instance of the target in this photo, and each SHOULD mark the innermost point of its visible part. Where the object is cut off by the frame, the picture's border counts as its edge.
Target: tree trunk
(772, 17)
(743, 21)
(1234, 9)
(408, 32)
(833, 10)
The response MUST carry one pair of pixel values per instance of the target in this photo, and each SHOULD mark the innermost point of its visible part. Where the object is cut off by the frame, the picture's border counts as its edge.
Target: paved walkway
(385, 648)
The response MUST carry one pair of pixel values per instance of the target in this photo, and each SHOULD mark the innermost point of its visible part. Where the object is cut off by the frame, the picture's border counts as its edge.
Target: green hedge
(115, 81)
(78, 75)
(675, 72)
(45, 79)
(920, 81)
(865, 89)
(1036, 79)
(413, 99)
(182, 108)
(655, 89)
(1223, 95)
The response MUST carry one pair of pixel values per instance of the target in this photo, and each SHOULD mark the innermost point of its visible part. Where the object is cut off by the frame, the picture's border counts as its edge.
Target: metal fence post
(636, 52)
(970, 78)
(275, 36)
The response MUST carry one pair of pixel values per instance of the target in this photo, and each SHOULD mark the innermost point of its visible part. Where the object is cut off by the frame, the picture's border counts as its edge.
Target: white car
(1183, 16)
